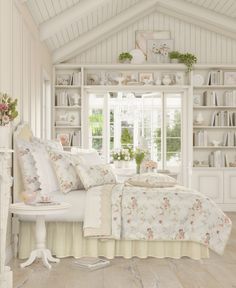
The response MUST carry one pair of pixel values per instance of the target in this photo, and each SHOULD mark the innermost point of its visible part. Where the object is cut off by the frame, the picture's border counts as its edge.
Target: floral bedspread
(176, 213)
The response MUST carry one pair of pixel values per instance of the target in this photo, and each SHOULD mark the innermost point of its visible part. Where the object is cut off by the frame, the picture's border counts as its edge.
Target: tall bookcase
(214, 132)
(68, 103)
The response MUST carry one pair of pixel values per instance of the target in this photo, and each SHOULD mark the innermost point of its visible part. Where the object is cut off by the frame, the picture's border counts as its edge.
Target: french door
(155, 121)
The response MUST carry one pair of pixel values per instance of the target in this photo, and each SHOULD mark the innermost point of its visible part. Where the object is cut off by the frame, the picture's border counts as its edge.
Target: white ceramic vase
(5, 136)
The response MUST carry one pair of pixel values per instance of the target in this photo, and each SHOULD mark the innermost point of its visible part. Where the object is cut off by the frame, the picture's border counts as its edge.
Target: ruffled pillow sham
(64, 164)
(95, 175)
(152, 180)
(36, 168)
(27, 164)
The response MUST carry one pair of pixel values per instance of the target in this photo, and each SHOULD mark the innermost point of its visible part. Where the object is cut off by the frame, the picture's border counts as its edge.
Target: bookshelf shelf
(67, 107)
(214, 147)
(67, 86)
(214, 127)
(215, 107)
(67, 127)
(215, 87)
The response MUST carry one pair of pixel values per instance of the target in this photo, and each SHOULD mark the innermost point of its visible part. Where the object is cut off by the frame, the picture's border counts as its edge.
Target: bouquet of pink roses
(7, 109)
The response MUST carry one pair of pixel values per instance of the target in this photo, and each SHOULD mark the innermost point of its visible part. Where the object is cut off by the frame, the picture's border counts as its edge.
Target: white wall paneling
(210, 47)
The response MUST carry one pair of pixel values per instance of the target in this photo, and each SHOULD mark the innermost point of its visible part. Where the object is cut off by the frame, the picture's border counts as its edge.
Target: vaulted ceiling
(69, 27)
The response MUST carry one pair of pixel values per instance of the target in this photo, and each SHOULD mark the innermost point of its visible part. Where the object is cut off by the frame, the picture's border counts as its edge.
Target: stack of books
(62, 98)
(223, 118)
(218, 159)
(215, 77)
(210, 98)
(200, 138)
(76, 79)
(229, 139)
(92, 263)
(76, 139)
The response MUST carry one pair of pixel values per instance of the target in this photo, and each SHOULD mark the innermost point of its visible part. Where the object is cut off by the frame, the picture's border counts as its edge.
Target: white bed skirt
(66, 239)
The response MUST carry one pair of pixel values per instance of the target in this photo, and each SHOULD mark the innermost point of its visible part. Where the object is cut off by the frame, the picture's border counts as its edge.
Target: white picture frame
(230, 78)
(142, 36)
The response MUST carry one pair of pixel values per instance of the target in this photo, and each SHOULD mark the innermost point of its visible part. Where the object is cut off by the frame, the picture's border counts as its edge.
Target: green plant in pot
(174, 56)
(188, 59)
(125, 57)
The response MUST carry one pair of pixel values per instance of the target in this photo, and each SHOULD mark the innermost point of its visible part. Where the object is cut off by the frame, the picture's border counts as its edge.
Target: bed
(65, 235)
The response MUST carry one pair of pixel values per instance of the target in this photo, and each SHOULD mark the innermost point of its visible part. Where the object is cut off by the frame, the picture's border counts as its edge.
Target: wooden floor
(216, 272)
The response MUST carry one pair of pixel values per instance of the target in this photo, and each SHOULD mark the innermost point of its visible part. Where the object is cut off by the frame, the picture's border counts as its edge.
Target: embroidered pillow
(27, 165)
(152, 180)
(64, 164)
(96, 175)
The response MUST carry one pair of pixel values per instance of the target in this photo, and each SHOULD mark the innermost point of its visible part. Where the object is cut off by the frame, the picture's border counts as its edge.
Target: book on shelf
(215, 77)
(217, 159)
(200, 138)
(76, 139)
(76, 78)
(62, 98)
(223, 118)
(92, 263)
(210, 98)
(229, 139)
(230, 98)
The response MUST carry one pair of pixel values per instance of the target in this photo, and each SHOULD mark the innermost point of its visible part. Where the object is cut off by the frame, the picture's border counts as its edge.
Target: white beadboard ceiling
(44, 11)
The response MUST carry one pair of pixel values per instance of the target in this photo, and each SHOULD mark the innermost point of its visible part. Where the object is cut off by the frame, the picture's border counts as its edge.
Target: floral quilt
(166, 214)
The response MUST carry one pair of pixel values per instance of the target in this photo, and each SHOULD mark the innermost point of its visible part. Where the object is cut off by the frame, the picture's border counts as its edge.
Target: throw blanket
(166, 214)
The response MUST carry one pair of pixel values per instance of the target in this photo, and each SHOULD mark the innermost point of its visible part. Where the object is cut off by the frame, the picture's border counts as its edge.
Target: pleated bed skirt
(66, 239)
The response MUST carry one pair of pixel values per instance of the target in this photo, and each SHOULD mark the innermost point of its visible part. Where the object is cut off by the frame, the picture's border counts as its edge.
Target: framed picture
(64, 138)
(158, 50)
(146, 77)
(63, 79)
(230, 78)
(141, 38)
(130, 77)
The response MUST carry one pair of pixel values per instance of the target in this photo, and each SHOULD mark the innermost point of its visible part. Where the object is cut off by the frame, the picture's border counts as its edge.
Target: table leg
(40, 251)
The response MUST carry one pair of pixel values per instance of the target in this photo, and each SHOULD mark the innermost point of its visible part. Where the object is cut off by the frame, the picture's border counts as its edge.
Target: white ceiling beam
(69, 16)
(103, 30)
(199, 16)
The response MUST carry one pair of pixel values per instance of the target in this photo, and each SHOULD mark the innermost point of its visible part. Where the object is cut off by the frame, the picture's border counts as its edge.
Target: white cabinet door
(209, 183)
(230, 187)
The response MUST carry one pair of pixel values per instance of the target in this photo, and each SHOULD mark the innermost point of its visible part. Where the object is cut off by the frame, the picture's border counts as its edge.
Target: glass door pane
(96, 122)
(173, 130)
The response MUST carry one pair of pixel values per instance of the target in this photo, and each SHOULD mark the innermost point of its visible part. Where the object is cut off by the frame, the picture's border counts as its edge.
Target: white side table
(40, 232)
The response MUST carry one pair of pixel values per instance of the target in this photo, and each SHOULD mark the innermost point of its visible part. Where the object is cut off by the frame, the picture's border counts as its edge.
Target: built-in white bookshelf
(214, 116)
(67, 109)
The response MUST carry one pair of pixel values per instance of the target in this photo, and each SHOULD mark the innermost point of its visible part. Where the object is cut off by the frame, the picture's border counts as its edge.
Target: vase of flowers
(139, 156)
(122, 157)
(150, 166)
(7, 114)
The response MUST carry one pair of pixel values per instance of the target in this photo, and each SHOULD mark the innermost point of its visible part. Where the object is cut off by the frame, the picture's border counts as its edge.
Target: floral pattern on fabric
(64, 165)
(176, 213)
(96, 175)
(27, 164)
(154, 180)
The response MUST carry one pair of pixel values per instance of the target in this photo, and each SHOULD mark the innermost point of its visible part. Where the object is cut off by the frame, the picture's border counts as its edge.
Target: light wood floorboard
(215, 272)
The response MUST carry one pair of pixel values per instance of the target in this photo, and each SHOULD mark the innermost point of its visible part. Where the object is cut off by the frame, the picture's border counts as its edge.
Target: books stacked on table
(92, 263)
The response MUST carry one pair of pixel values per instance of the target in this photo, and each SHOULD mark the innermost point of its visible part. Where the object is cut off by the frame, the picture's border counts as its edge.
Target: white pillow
(64, 166)
(95, 175)
(152, 180)
(87, 157)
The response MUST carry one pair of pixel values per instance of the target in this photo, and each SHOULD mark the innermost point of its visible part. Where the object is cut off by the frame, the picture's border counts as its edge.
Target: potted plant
(125, 57)
(7, 114)
(174, 56)
(188, 59)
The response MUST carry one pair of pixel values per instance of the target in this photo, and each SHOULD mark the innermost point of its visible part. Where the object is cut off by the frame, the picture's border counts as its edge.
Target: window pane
(173, 145)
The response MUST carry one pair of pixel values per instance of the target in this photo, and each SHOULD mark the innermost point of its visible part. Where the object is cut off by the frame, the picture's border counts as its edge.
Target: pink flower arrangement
(7, 109)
